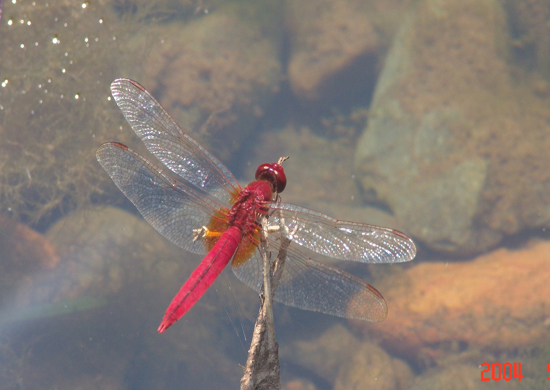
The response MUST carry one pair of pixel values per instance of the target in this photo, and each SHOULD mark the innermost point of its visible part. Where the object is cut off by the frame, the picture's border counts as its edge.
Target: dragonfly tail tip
(163, 326)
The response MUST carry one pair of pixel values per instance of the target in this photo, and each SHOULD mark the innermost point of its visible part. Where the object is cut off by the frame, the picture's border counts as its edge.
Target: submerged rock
(497, 302)
(340, 358)
(333, 44)
(336, 46)
(219, 71)
(455, 145)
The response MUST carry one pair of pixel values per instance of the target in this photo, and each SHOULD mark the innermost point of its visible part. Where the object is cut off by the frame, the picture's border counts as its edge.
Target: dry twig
(262, 371)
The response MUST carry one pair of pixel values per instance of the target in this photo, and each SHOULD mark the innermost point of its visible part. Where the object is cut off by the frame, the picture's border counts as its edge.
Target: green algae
(57, 64)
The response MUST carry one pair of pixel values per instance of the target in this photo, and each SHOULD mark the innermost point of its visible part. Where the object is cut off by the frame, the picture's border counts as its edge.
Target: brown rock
(24, 249)
(372, 368)
(24, 252)
(498, 302)
(331, 42)
(225, 63)
(340, 358)
(336, 46)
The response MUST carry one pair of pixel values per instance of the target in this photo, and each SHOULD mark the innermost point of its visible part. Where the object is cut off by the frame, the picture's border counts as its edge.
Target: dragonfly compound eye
(273, 173)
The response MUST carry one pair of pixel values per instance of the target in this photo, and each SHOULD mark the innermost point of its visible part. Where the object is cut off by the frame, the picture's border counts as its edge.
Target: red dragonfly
(201, 195)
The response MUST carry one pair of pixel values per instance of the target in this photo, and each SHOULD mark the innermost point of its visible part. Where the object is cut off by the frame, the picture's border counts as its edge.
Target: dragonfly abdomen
(203, 276)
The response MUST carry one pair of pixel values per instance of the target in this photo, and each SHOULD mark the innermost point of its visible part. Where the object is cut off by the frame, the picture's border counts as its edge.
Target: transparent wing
(342, 239)
(171, 207)
(170, 144)
(311, 285)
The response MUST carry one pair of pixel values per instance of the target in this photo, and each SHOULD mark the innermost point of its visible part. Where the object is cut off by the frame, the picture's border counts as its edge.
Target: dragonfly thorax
(249, 204)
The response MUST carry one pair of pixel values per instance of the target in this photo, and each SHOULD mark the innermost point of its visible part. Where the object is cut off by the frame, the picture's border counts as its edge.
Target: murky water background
(429, 117)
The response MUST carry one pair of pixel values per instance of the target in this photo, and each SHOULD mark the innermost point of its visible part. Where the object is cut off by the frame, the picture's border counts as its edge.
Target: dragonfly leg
(200, 233)
(291, 234)
(204, 232)
(273, 228)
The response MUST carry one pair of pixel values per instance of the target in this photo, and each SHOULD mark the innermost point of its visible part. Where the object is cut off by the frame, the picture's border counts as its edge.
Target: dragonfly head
(274, 174)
